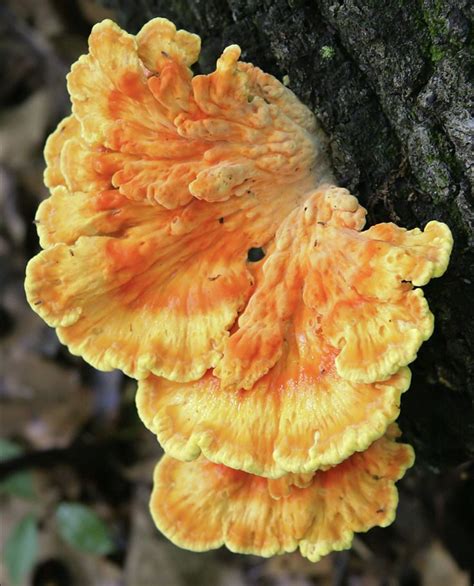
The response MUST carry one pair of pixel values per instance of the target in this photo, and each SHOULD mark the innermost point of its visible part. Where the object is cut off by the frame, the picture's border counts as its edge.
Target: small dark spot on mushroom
(315, 243)
(39, 302)
(71, 252)
(380, 510)
(321, 223)
(375, 477)
(165, 54)
(250, 99)
(214, 278)
(305, 208)
(255, 254)
(221, 220)
(130, 327)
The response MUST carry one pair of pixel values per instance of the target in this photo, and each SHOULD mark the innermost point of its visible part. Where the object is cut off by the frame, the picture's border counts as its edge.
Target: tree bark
(390, 85)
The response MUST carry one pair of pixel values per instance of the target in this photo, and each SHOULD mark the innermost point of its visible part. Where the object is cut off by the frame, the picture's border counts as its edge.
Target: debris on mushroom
(200, 506)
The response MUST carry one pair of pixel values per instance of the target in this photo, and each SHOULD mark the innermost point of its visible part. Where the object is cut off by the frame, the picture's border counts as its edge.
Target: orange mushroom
(161, 183)
(201, 506)
(316, 367)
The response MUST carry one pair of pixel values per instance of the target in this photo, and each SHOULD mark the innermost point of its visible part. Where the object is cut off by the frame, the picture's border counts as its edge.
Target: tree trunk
(390, 85)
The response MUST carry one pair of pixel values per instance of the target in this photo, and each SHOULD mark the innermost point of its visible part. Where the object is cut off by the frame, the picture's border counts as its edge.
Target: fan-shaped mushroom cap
(315, 369)
(201, 506)
(161, 183)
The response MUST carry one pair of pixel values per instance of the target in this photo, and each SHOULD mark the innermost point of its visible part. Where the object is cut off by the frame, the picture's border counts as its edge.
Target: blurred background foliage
(75, 462)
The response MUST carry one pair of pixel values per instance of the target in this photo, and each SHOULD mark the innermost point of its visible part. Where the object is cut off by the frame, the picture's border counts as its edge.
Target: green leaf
(82, 528)
(19, 483)
(9, 450)
(20, 549)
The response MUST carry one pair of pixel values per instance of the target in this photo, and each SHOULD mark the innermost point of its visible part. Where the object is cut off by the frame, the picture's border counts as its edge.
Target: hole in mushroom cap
(255, 254)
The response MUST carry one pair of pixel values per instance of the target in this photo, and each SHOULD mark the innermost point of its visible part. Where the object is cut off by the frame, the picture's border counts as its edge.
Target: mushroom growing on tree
(194, 238)
(201, 506)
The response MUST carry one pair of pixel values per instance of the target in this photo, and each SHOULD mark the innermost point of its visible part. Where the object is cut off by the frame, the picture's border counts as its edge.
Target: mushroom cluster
(194, 238)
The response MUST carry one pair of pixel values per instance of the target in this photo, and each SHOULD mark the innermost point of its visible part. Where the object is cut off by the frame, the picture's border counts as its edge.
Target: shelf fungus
(200, 506)
(194, 239)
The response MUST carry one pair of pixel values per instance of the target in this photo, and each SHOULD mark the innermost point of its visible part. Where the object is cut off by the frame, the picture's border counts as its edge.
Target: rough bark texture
(389, 82)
